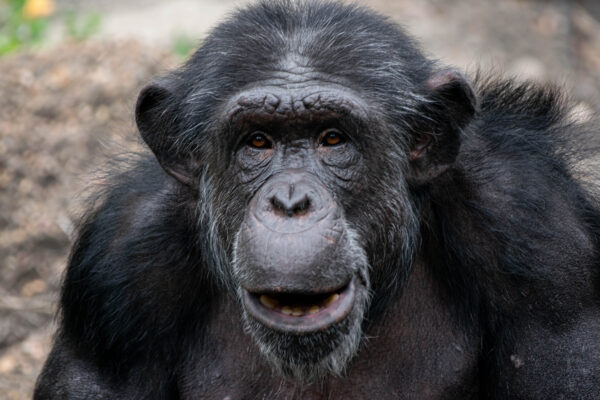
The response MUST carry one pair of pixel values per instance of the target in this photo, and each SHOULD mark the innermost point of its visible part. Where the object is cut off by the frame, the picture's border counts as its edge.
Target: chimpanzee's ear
(155, 118)
(449, 107)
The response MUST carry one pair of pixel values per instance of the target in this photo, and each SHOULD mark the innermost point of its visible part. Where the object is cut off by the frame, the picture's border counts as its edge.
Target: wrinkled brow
(298, 103)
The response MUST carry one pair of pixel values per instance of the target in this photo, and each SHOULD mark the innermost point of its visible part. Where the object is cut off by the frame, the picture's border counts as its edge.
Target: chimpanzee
(329, 214)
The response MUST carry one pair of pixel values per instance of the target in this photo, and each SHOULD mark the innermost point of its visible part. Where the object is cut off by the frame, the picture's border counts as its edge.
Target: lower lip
(305, 324)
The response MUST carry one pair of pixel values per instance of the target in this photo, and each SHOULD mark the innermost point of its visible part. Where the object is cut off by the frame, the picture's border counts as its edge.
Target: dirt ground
(64, 109)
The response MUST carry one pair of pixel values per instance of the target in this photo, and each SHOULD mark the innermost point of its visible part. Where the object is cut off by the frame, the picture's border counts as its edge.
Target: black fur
(508, 226)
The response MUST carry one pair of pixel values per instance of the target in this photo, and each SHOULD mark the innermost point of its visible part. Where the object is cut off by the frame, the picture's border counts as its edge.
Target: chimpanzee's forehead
(301, 100)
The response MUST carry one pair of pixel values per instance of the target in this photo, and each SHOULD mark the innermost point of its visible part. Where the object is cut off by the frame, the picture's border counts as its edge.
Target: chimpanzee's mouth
(300, 313)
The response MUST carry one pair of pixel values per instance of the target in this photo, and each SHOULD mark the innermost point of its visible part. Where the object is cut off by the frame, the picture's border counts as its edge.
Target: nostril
(278, 204)
(301, 206)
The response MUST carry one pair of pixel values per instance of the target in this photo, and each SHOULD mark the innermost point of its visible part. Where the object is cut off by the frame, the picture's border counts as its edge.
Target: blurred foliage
(23, 23)
(183, 45)
(81, 27)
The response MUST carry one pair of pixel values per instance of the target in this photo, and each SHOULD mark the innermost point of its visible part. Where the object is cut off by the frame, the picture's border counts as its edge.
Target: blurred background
(70, 71)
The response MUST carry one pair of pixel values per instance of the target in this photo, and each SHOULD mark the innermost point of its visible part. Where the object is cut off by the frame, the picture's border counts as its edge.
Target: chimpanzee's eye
(332, 137)
(259, 141)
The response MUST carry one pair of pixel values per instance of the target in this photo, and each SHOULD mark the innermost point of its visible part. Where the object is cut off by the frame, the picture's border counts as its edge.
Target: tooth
(286, 310)
(297, 311)
(331, 299)
(268, 302)
(314, 309)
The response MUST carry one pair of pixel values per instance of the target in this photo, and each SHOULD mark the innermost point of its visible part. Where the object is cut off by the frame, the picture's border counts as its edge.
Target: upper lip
(300, 313)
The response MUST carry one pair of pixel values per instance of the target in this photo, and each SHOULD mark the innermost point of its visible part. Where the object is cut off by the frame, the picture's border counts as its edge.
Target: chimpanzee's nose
(293, 200)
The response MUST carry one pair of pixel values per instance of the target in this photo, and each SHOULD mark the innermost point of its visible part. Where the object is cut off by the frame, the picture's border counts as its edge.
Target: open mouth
(301, 313)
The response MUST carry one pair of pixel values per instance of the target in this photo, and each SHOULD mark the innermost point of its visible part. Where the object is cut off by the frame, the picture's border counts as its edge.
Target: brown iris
(259, 141)
(332, 138)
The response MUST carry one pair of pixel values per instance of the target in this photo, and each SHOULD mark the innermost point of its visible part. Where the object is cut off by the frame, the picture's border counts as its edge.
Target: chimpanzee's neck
(417, 337)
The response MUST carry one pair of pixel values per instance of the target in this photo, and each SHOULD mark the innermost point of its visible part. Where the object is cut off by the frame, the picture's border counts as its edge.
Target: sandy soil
(63, 110)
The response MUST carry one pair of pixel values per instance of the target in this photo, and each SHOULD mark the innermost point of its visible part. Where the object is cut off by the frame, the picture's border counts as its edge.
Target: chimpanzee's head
(302, 131)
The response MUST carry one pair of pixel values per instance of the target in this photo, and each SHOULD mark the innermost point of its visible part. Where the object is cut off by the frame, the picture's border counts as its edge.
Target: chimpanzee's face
(300, 268)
